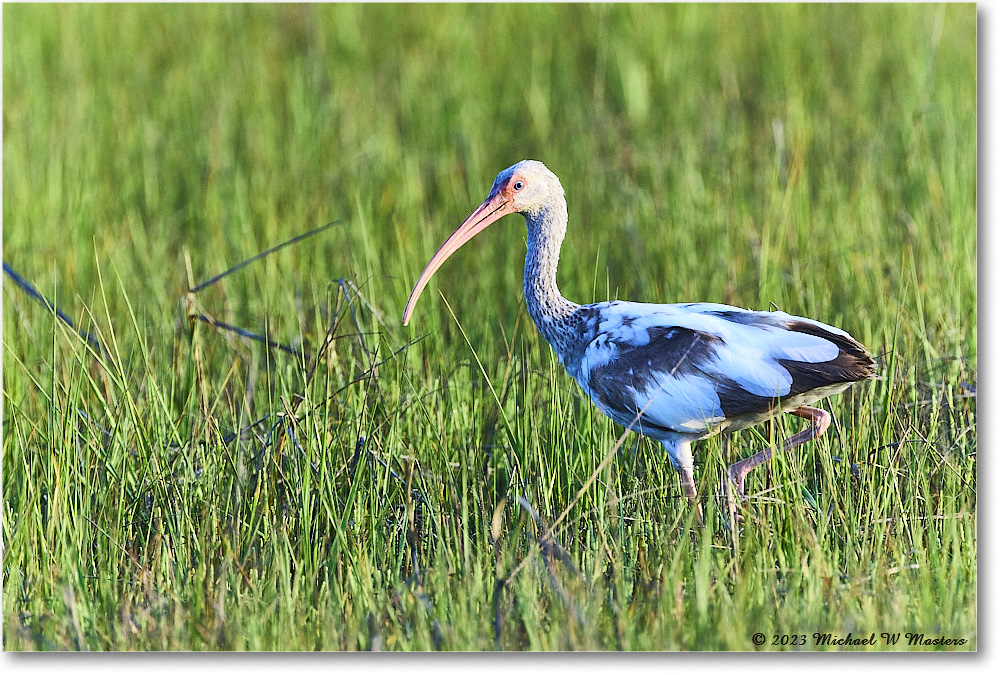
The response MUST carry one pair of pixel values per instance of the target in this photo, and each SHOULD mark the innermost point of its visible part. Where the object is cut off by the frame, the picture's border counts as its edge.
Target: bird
(676, 373)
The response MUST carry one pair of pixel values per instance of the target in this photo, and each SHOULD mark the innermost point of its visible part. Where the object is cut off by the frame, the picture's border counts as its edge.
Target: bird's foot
(736, 477)
(735, 497)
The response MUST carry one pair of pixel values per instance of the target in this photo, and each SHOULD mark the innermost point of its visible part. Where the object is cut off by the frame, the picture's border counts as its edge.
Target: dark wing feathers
(680, 351)
(852, 364)
(736, 401)
(676, 350)
(673, 349)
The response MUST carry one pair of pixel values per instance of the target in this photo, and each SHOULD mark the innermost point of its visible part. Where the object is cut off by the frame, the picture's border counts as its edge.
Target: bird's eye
(518, 185)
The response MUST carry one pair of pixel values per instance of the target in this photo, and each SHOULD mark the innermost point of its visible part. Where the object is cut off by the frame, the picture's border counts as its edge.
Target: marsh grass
(445, 486)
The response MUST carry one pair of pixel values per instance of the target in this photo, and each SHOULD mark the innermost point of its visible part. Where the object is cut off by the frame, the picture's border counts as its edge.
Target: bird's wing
(689, 368)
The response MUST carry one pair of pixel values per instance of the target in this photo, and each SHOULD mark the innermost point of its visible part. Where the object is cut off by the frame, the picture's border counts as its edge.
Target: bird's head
(528, 188)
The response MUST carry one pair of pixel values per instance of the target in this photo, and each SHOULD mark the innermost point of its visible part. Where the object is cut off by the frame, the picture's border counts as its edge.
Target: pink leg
(819, 421)
(680, 455)
(687, 484)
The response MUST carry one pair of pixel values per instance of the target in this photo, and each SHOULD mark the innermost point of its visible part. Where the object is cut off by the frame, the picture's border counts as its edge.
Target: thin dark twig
(215, 323)
(370, 374)
(28, 288)
(289, 430)
(370, 370)
(233, 435)
(345, 288)
(241, 433)
(414, 493)
(285, 422)
(93, 423)
(331, 335)
(358, 447)
(269, 251)
(272, 432)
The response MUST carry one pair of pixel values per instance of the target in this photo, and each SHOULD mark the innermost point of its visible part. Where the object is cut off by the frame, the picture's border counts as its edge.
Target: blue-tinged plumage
(677, 373)
(698, 369)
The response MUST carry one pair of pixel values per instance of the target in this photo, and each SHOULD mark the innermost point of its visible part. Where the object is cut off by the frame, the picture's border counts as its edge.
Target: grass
(395, 493)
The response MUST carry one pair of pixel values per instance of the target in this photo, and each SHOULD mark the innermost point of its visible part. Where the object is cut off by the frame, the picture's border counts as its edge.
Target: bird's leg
(819, 421)
(680, 456)
(691, 492)
(727, 492)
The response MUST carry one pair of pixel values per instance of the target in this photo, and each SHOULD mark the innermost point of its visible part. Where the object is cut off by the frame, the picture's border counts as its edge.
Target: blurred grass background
(818, 157)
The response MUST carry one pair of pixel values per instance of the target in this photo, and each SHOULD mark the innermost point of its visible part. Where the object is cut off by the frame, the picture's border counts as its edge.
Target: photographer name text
(864, 640)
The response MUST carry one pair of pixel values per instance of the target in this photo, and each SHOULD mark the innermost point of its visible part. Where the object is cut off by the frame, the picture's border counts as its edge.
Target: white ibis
(677, 373)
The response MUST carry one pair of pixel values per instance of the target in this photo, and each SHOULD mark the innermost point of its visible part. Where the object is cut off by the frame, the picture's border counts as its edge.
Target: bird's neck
(550, 311)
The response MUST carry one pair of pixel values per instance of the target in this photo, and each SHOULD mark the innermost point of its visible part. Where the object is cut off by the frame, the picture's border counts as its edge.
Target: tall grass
(446, 487)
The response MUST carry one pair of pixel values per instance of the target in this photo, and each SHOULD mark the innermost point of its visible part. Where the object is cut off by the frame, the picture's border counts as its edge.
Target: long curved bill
(493, 209)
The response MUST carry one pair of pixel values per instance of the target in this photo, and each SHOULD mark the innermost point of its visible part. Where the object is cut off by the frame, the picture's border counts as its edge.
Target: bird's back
(698, 368)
